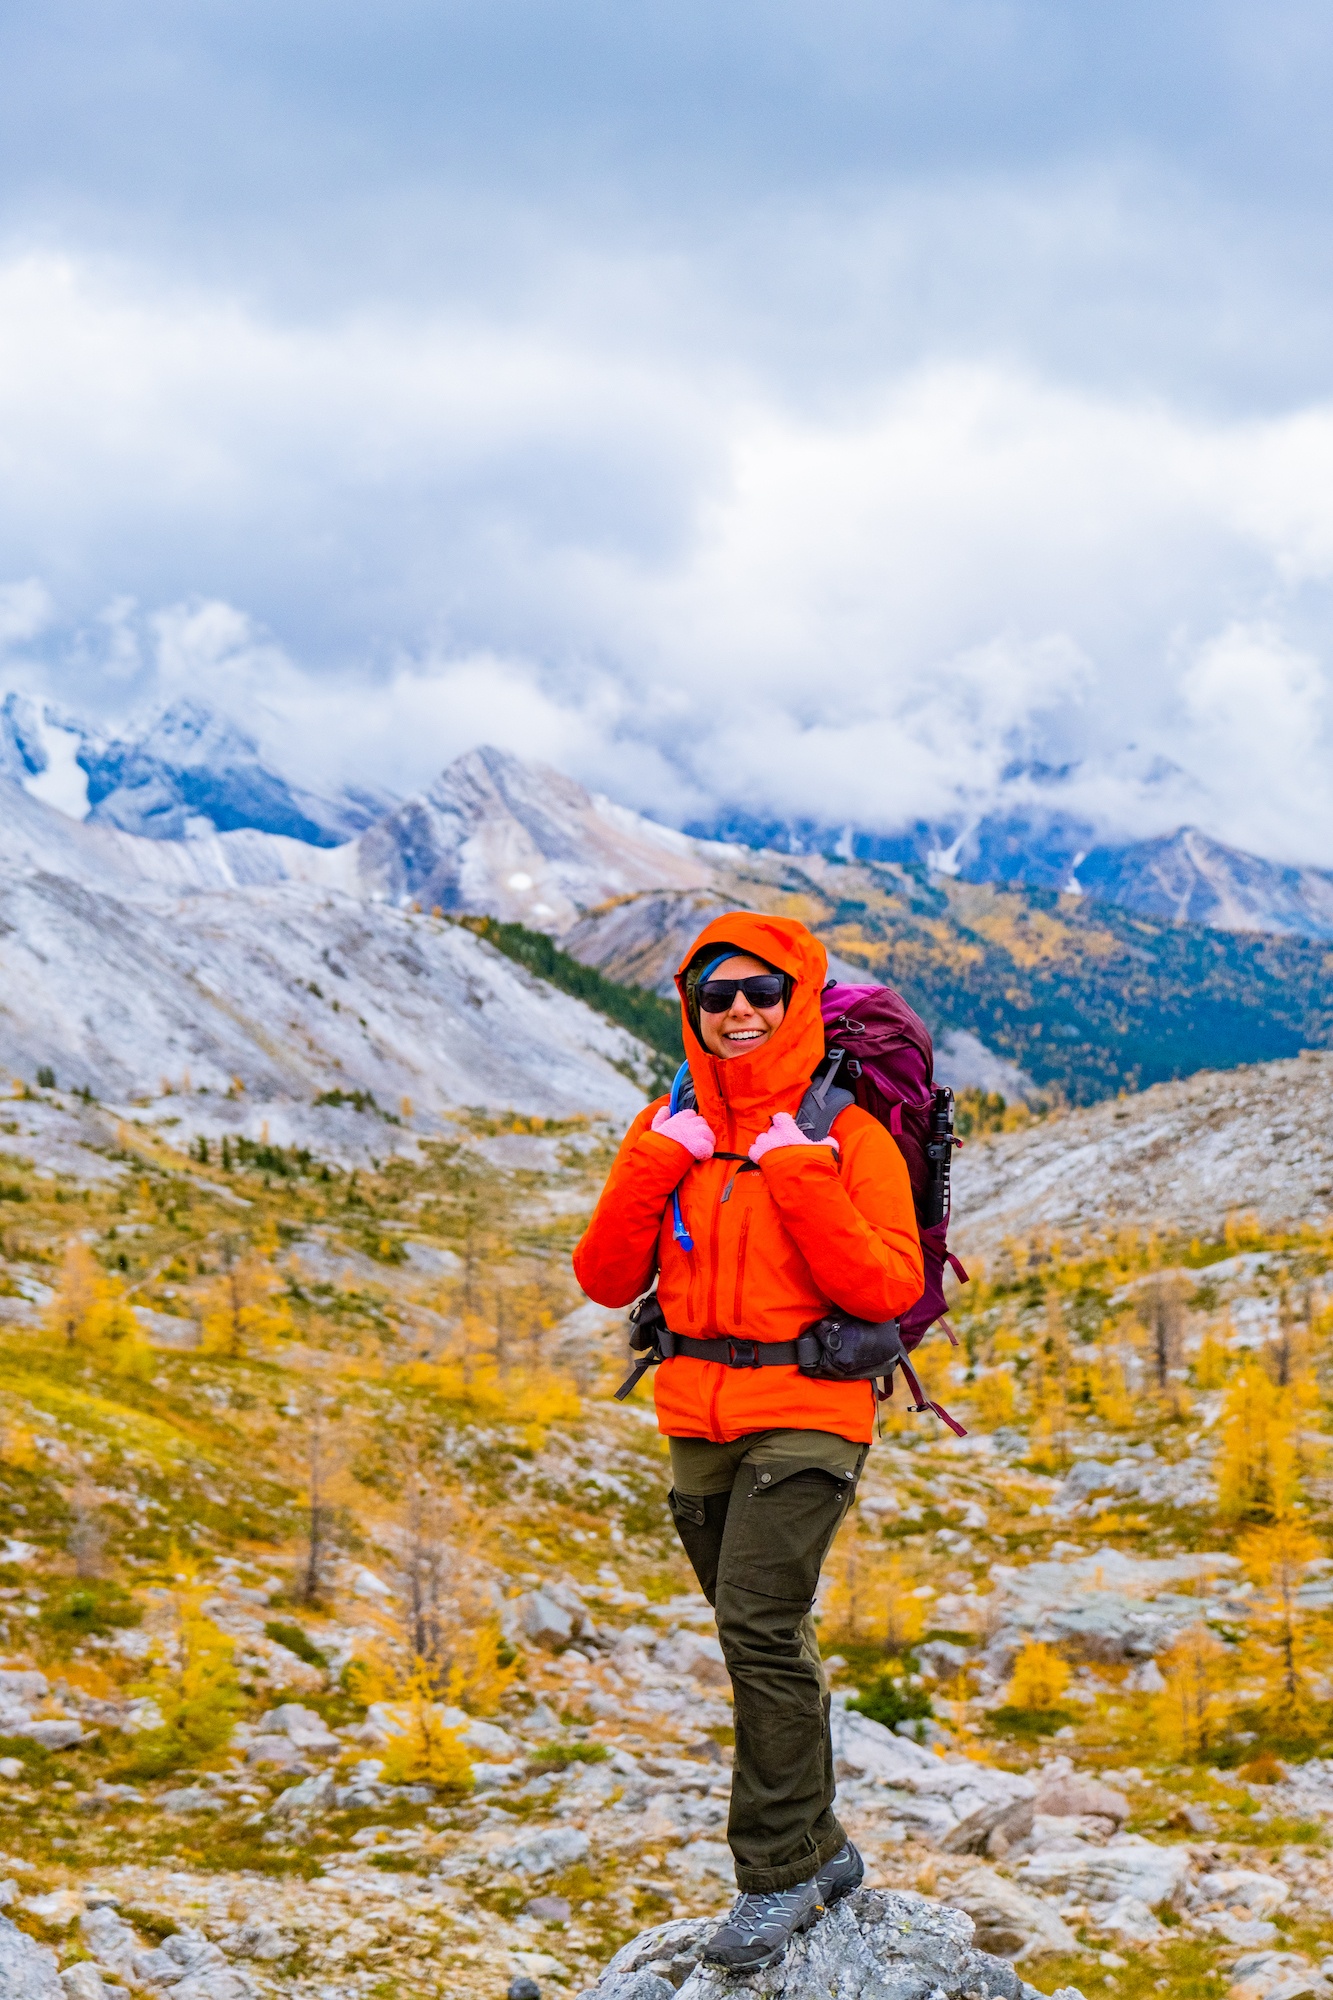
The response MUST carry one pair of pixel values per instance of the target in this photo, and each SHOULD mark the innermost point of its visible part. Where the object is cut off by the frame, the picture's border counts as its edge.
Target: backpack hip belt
(838, 1348)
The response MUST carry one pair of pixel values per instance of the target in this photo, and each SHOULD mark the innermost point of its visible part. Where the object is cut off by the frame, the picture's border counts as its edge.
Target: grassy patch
(558, 1756)
(1028, 1721)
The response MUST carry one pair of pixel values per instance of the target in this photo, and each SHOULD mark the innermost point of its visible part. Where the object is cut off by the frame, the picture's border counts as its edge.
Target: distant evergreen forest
(1087, 998)
(654, 1020)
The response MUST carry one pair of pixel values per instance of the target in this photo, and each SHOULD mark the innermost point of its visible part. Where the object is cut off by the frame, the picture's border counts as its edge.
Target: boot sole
(779, 1952)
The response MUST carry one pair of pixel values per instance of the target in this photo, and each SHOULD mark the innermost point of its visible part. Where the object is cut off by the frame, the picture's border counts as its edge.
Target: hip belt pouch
(843, 1349)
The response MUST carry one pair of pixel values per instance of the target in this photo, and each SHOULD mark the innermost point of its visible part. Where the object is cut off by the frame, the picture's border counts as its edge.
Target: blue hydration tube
(678, 1229)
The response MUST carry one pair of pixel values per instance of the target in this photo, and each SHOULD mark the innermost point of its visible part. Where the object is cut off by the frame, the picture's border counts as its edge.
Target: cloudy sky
(835, 409)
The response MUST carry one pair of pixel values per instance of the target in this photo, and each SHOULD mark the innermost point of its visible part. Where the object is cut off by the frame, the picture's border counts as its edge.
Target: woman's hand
(688, 1129)
(784, 1131)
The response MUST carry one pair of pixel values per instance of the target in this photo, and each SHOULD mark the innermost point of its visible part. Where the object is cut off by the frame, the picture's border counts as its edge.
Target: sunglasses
(764, 989)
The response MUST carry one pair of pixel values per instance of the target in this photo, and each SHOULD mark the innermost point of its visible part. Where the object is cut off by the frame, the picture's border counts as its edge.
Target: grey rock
(878, 1945)
(939, 1658)
(256, 1940)
(1128, 1919)
(486, 1777)
(189, 1967)
(300, 1725)
(1067, 1795)
(190, 1799)
(992, 1829)
(697, 1654)
(60, 1733)
(84, 1982)
(277, 1751)
(22, 1684)
(543, 1621)
(551, 1909)
(1281, 1975)
(543, 1852)
(315, 1795)
(27, 1970)
(1250, 1888)
(1009, 1921)
(110, 1939)
(1129, 1865)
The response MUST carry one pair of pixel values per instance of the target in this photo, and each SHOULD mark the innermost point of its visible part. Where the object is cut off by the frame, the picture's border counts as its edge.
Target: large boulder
(878, 1945)
(1065, 1794)
(1009, 1921)
(929, 1794)
(1277, 1975)
(300, 1726)
(27, 1970)
(191, 1968)
(1129, 1865)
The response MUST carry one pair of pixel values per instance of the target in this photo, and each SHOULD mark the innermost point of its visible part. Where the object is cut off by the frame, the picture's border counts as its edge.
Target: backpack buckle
(742, 1353)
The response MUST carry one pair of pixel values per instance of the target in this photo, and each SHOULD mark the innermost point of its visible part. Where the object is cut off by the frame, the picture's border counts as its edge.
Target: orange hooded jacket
(773, 1250)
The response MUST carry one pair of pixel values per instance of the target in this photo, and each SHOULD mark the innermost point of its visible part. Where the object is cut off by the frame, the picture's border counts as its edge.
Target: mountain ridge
(1030, 991)
(188, 772)
(1185, 876)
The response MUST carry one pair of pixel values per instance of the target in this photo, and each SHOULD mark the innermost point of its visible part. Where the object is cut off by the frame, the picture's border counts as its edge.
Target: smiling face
(742, 1028)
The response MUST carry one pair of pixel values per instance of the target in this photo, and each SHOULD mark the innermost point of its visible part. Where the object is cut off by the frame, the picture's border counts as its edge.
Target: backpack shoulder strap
(824, 1100)
(818, 1109)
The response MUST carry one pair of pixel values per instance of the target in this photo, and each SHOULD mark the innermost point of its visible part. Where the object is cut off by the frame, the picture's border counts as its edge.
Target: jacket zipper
(740, 1273)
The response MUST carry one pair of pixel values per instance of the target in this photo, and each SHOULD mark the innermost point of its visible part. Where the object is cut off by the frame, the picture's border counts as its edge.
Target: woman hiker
(771, 1233)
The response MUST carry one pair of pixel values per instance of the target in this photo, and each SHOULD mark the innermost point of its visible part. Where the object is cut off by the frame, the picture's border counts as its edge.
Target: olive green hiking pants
(756, 1518)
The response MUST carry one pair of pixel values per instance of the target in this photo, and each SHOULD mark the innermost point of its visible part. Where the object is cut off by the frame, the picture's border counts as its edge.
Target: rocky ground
(158, 1497)
(1181, 1156)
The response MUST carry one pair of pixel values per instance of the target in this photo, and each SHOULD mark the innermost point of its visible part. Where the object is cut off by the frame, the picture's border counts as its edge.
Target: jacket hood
(749, 1089)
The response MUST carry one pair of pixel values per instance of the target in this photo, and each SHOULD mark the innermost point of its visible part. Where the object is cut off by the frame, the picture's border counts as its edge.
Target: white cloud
(382, 537)
(25, 610)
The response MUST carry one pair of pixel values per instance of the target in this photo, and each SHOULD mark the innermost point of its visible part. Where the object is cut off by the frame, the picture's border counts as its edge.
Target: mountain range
(1181, 877)
(188, 772)
(143, 937)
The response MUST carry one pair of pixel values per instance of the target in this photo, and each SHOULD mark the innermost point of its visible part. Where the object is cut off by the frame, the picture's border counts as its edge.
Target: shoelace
(766, 1908)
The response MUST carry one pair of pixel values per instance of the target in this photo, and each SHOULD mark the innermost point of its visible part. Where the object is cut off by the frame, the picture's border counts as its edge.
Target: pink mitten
(784, 1131)
(688, 1129)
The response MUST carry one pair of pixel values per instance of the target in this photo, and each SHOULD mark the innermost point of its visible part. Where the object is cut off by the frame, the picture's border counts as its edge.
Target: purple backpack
(889, 1062)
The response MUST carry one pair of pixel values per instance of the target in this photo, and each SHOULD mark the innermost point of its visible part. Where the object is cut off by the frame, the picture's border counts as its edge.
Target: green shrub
(93, 1608)
(557, 1756)
(296, 1641)
(890, 1700)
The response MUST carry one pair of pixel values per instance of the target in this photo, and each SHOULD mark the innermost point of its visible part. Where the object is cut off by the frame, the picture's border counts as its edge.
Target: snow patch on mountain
(524, 843)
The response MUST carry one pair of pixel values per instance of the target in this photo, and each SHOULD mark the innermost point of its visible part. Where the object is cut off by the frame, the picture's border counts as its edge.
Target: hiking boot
(761, 1924)
(838, 1877)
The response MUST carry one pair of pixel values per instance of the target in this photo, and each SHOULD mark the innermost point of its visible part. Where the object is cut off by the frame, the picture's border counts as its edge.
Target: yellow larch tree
(90, 1309)
(1258, 1474)
(1211, 1362)
(243, 1307)
(1037, 1679)
(1282, 1645)
(196, 1691)
(1189, 1711)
